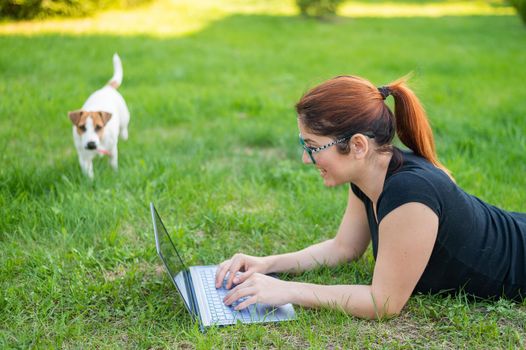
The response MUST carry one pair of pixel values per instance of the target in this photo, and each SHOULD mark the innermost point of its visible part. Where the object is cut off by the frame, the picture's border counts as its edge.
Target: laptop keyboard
(221, 313)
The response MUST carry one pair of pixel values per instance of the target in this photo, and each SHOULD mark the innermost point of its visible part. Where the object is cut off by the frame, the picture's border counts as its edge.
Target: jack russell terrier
(97, 126)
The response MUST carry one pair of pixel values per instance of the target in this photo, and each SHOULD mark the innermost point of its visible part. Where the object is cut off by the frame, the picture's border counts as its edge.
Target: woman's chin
(328, 182)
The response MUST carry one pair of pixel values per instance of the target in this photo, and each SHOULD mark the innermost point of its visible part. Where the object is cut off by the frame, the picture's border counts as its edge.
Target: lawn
(211, 87)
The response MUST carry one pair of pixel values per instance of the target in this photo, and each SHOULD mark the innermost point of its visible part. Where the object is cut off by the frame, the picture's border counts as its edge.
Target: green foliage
(27, 9)
(318, 8)
(520, 5)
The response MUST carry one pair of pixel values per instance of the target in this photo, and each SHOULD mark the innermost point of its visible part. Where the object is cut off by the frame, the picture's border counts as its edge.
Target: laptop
(196, 285)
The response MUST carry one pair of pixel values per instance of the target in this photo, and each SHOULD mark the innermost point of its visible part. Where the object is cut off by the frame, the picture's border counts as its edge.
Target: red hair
(347, 105)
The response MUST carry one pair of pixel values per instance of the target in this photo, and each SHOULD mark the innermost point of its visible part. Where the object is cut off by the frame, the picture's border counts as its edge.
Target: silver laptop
(197, 287)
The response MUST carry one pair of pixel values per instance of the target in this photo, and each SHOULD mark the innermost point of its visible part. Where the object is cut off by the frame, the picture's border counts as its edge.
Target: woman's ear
(359, 146)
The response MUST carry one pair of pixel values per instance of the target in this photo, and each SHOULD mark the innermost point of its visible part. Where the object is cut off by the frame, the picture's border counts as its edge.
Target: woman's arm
(349, 243)
(406, 239)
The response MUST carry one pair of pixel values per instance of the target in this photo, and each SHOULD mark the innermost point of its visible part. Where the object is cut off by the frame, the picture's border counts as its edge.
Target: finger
(252, 300)
(238, 294)
(221, 272)
(234, 268)
(242, 277)
(229, 295)
(236, 288)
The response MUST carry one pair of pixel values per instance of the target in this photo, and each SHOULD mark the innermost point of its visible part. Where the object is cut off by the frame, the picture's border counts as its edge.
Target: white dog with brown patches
(97, 126)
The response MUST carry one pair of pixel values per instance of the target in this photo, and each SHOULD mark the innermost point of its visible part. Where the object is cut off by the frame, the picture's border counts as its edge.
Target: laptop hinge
(193, 298)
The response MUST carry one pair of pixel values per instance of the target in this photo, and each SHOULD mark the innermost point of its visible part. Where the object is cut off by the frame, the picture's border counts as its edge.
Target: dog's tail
(116, 79)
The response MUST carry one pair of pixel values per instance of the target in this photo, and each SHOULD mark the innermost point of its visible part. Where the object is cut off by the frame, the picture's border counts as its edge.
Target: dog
(103, 118)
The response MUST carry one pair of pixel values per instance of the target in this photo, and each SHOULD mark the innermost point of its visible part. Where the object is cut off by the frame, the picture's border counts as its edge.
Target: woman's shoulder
(414, 180)
(410, 169)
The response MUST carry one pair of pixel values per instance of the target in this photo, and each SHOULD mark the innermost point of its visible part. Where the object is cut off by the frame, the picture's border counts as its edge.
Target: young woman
(428, 235)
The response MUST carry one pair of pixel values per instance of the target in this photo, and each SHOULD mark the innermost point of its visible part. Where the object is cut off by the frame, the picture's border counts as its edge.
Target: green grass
(213, 141)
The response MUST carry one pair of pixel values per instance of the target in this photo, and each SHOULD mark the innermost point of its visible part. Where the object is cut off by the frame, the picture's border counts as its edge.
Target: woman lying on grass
(428, 235)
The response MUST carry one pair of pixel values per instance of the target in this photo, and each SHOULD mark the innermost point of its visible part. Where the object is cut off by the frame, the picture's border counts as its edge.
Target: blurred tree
(318, 8)
(27, 9)
(520, 5)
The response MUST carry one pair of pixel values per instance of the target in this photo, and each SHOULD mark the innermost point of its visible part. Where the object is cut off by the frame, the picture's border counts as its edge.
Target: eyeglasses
(311, 150)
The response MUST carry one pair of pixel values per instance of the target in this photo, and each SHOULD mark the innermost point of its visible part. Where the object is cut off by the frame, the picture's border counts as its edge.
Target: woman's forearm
(323, 253)
(356, 300)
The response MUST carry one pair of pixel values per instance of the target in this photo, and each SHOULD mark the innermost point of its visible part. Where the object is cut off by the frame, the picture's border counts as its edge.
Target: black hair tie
(385, 91)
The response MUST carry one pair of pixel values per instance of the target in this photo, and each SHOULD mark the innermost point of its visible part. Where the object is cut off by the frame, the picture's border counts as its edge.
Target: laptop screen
(170, 256)
(165, 246)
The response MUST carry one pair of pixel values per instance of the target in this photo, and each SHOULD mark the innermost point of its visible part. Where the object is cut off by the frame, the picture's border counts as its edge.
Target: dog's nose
(91, 145)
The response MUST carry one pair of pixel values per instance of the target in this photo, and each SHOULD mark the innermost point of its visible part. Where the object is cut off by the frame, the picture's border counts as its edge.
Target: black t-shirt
(479, 249)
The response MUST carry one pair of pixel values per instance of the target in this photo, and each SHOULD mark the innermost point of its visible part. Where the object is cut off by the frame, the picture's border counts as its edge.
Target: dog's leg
(86, 165)
(114, 158)
(83, 166)
(89, 168)
(124, 133)
(124, 120)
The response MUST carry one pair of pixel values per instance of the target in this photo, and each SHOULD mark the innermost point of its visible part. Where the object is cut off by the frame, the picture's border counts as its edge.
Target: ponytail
(412, 125)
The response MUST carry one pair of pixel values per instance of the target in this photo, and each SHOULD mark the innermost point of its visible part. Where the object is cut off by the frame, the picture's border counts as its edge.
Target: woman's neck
(372, 176)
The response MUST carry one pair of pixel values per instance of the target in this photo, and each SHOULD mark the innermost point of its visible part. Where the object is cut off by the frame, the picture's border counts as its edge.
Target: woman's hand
(239, 263)
(259, 288)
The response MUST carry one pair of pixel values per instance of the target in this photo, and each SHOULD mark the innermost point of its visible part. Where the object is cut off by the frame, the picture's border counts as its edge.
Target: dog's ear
(75, 116)
(105, 116)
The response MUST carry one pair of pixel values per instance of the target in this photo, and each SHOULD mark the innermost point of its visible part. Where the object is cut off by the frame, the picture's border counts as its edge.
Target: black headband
(385, 91)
